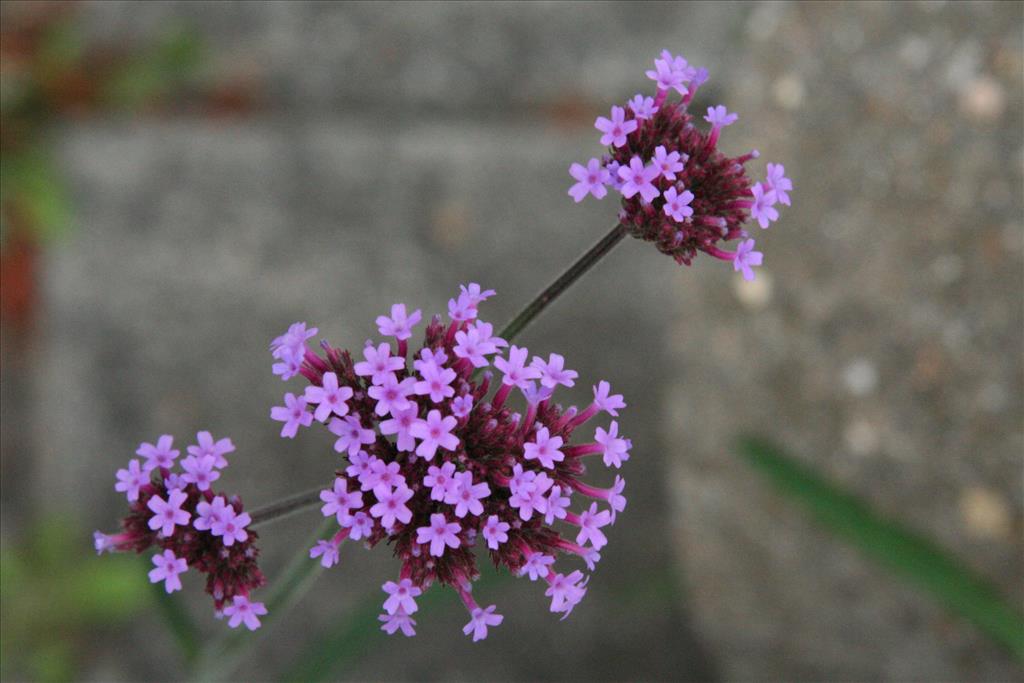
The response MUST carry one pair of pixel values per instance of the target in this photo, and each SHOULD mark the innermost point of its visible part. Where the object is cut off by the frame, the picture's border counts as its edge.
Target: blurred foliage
(886, 541)
(50, 72)
(56, 595)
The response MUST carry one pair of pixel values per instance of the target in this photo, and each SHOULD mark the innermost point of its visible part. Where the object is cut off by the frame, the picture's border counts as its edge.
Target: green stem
(285, 507)
(574, 272)
(223, 656)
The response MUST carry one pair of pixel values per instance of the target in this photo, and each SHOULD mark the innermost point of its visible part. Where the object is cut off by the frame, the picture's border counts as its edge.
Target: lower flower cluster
(439, 464)
(179, 513)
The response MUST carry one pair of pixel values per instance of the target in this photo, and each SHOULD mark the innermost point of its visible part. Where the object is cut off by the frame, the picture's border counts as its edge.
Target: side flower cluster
(678, 189)
(438, 463)
(179, 513)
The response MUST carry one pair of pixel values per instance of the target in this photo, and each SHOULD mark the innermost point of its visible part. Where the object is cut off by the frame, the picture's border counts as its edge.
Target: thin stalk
(574, 272)
(285, 507)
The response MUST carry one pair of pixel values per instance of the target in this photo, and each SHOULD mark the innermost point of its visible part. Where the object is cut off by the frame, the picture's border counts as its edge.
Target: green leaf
(224, 655)
(157, 71)
(912, 556)
(177, 619)
(31, 183)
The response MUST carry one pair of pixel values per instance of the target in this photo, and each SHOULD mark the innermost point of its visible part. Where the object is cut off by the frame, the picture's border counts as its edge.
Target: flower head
(679, 190)
(457, 469)
(189, 524)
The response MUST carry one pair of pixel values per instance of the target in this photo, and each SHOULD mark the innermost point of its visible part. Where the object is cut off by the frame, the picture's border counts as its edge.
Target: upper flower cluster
(436, 465)
(179, 512)
(678, 189)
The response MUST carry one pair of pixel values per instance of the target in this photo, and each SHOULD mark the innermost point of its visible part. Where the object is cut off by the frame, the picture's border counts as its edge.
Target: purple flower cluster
(436, 464)
(179, 512)
(678, 189)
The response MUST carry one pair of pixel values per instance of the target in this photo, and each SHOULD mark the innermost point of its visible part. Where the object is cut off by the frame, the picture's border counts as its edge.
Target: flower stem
(573, 273)
(285, 507)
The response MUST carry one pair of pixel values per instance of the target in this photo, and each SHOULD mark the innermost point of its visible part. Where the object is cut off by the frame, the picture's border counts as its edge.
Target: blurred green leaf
(62, 46)
(888, 542)
(222, 656)
(154, 73)
(357, 633)
(55, 594)
(30, 182)
(176, 618)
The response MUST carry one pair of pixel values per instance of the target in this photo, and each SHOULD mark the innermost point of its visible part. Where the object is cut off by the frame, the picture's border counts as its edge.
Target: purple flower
(763, 206)
(616, 129)
(537, 566)
(241, 610)
(391, 395)
(351, 435)
(400, 423)
(778, 182)
(293, 342)
(566, 591)
(200, 471)
(391, 505)
(360, 465)
(719, 116)
(340, 500)
(168, 567)
(399, 325)
(615, 497)
(553, 372)
(382, 474)
(476, 343)
(168, 513)
(475, 293)
(746, 258)
(677, 206)
(616, 450)
(330, 397)
(680, 65)
(379, 363)
(398, 620)
(557, 504)
(495, 532)
(544, 448)
(159, 456)
(529, 496)
(666, 76)
(638, 178)
(436, 382)
(643, 107)
(668, 163)
(231, 527)
(462, 308)
(360, 525)
(514, 368)
(207, 446)
(131, 479)
(208, 514)
(479, 620)
(608, 403)
(440, 533)
(401, 596)
(293, 413)
(590, 522)
(591, 180)
(462, 405)
(440, 480)
(434, 432)
(466, 496)
(327, 552)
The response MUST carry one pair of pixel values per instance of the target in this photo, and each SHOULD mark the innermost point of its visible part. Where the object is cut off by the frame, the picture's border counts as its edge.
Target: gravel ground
(399, 150)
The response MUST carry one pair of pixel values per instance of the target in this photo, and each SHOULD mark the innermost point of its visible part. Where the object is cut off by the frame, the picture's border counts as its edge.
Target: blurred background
(182, 180)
